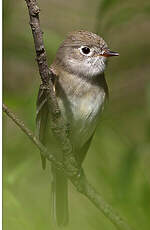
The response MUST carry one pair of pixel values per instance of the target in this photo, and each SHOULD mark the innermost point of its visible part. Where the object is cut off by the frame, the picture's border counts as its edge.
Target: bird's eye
(85, 50)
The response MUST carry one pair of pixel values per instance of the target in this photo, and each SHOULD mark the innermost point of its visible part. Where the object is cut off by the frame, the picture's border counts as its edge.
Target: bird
(81, 91)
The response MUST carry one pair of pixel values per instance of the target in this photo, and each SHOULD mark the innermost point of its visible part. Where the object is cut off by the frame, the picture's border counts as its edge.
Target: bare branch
(57, 123)
(79, 181)
(32, 137)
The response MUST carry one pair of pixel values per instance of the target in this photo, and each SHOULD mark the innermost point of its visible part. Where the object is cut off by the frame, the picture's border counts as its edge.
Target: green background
(118, 161)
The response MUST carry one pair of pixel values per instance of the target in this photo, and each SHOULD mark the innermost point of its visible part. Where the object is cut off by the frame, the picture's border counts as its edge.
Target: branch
(31, 136)
(58, 125)
(80, 182)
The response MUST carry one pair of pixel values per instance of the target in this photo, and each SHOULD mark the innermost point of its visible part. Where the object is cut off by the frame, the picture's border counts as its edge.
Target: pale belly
(82, 114)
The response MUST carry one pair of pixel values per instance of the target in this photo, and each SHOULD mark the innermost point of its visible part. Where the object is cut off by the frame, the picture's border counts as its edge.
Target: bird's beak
(108, 53)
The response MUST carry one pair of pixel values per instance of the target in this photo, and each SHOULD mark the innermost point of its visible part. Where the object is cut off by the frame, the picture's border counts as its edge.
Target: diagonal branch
(32, 137)
(80, 182)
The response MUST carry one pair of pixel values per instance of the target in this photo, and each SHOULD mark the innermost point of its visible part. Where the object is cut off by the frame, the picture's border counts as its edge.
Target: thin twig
(32, 137)
(85, 189)
(57, 122)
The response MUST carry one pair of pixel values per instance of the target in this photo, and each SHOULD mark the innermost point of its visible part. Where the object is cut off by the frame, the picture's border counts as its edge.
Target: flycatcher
(81, 90)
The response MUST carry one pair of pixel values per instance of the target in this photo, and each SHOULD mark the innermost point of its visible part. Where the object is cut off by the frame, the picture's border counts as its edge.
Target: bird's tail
(59, 197)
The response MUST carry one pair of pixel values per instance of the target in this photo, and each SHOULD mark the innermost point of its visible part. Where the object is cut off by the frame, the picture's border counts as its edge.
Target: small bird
(81, 90)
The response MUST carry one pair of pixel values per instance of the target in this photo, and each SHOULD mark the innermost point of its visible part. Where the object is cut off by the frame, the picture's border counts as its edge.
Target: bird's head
(83, 53)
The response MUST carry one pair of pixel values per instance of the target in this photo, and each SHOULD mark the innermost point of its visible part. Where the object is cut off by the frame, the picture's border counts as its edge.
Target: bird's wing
(82, 152)
(41, 119)
(59, 183)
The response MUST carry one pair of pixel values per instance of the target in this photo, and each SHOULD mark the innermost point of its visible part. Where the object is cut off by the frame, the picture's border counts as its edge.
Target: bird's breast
(85, 108)
(81, 107)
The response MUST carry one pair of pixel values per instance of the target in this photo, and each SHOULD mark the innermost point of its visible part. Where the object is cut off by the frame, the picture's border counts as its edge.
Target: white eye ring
(85, 50)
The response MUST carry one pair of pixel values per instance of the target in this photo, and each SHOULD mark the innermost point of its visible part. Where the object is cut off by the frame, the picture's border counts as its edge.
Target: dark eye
(86, 50)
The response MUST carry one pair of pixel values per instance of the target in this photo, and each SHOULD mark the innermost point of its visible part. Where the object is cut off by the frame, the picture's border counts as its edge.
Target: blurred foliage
(118, 159)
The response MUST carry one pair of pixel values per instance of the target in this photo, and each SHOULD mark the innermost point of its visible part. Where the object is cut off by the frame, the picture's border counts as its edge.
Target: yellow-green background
(118, 161)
